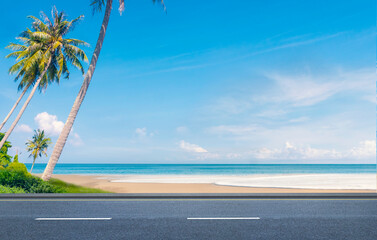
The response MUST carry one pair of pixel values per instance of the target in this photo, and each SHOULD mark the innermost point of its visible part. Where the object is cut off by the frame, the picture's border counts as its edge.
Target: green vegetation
(25, 181)
(38, 145)
(71, 188)
(14, 178)
(4, 189)
(5, 159)
(16, 181)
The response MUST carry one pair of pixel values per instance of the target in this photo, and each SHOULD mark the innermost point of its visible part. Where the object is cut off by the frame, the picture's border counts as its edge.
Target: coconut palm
(38, 145)
(97, 6)
(44, 55)
(28, 79)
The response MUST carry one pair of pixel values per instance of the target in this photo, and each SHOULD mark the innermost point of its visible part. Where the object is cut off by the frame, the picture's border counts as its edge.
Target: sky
(231, 82)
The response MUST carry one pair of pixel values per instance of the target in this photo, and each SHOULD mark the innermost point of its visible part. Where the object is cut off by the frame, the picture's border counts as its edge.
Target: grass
(72, 188)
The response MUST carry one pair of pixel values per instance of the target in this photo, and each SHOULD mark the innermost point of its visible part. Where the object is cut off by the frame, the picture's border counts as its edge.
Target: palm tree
(44, 55)
(97, 5)
(38, 145)
(28, 79)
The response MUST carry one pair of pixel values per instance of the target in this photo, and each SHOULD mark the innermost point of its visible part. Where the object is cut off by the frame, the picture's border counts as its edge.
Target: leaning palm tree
(38, 145)
(45, 55)
(28, 75)
(28, 79)
(97, 5)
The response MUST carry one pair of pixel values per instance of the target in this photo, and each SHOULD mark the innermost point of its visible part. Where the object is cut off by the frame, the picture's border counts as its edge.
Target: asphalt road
(182, 219)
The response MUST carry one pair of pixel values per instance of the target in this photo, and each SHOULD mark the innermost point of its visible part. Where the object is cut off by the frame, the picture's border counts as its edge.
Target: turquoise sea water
(205, 169)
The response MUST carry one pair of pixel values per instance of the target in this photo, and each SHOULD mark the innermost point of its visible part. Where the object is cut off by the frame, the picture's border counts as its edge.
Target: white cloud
(307, 90)
(141, 132)
(52, 126)
(189, 147)
(290, 91)
(49, 123)
(303, 92)
(75, 140)
(366, 149)
(23, 128)
(292, 152)
(340, 131)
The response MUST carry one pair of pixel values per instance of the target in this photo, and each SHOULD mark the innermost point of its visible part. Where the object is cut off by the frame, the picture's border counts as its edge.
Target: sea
(206, 169)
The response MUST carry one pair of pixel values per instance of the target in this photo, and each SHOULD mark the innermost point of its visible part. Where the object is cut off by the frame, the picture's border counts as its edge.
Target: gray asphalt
(167, 219)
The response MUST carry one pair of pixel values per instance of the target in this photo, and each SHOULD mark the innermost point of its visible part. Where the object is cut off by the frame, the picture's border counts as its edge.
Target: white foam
(309, 181)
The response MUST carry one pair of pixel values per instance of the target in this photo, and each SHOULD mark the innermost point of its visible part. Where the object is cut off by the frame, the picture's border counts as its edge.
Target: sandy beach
(310, 183)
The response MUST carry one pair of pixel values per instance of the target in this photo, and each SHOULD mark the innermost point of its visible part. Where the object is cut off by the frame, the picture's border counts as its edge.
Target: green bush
(45, 187)
(16, 166)
(4, 189)
(24, 180)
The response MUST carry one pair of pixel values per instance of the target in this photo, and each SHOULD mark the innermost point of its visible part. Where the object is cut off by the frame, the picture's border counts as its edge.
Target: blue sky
(231, 82)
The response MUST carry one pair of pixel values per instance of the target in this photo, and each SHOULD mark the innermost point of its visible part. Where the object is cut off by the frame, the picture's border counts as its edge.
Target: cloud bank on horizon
(267, 83)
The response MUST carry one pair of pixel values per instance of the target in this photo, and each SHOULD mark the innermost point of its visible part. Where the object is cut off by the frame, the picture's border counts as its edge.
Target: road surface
(258, 218)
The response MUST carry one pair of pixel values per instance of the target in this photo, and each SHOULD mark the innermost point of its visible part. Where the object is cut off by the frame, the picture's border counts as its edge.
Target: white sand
(300, 181)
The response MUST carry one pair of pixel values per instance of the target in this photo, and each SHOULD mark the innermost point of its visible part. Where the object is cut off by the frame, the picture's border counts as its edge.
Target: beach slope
(311, 183)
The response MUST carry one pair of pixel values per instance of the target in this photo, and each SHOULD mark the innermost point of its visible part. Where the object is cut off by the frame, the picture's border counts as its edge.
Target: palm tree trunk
(32, 164)
(14, 106)
(58, 148)
(10, 130)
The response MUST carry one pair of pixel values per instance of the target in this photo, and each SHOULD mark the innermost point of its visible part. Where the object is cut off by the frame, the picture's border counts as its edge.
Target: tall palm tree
(44, 55)
(28, 79)
(97, 5)
(38, 145)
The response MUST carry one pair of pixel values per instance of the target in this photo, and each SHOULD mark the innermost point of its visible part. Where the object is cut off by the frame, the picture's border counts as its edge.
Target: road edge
(189, 196)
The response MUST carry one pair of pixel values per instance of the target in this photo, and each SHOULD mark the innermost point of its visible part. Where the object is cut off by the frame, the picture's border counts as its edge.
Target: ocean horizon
(205, 169)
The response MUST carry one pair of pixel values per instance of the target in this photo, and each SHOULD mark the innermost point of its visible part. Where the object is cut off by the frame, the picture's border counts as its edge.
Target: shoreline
(222, 184)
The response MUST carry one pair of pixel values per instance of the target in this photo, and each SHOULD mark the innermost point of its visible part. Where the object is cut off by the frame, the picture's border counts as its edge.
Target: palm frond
(68, 26)
(63, 68)
(41, 36)
(38, 24)
(77, 52)
(14, 54)
(75, 42)
(72, 59)
(97, 5)
(33, 60)
(16, 46)
(46, 19)
(17, 66)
